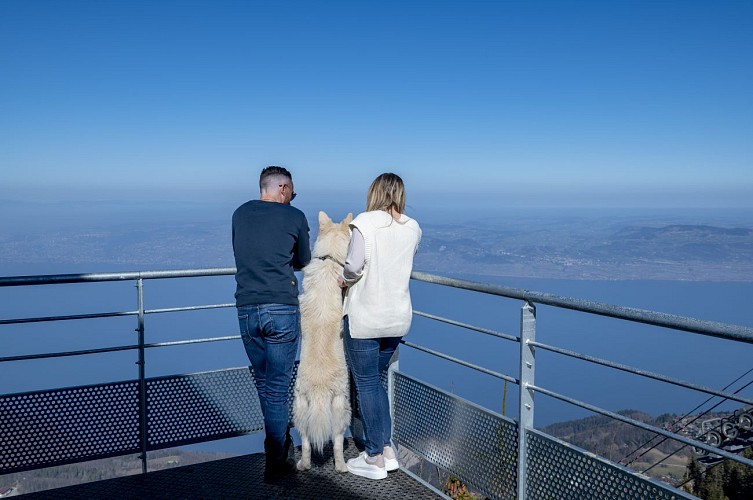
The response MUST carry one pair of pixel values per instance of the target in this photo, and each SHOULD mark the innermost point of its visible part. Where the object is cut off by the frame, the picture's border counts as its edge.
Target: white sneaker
(390, 460)
(368, 467)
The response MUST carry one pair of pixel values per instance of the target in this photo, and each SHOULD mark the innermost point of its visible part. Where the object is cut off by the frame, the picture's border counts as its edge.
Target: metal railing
(139, 313)
(528, 345)
(526, 340)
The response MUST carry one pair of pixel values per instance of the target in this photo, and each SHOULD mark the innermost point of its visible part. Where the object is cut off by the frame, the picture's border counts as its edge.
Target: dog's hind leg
(305, 462)
(341, 408)
(337, 449)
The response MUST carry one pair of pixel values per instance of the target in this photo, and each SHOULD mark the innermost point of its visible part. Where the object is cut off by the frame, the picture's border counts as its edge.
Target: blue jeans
(368, 359)
(271, 333)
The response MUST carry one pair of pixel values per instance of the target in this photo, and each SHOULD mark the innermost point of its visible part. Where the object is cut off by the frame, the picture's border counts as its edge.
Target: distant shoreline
(665, 246)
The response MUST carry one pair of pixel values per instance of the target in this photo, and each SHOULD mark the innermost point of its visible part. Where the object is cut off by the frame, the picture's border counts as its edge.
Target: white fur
(321, 408)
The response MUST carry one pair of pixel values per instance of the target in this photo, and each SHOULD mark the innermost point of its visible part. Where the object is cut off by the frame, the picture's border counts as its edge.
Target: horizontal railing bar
(53, 279)
(461, 362)
(644, 373)
(68, 353)
(187, 308)
(19, 321)
(710, 328)
(644, 426)
(193, 341)
(467, 326)
(114, 349)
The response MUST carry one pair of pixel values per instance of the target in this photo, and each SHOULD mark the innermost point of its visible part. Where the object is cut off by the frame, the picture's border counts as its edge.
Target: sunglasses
(292, 196)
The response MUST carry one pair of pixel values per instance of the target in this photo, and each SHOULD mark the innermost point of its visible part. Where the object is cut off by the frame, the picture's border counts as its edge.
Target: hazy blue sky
(644, 102)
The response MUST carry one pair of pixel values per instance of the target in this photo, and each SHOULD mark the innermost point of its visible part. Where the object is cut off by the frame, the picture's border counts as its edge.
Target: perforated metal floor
(242, 478)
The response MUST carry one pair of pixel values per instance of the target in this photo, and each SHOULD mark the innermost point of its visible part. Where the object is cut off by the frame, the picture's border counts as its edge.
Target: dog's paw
(341, 467)
(304, 466)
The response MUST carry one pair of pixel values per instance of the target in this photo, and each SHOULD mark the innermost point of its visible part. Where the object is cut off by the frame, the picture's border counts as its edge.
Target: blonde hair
(387, 191)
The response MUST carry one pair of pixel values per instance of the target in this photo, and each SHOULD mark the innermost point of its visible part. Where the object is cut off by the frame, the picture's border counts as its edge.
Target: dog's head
(333, 237)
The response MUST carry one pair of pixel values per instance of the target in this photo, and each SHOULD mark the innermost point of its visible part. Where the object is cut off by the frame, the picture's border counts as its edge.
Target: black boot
(276, 471)
(277, 467)
(288, 445)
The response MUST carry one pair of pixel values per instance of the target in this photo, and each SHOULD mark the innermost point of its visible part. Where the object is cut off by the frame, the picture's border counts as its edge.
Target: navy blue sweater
(270, 241)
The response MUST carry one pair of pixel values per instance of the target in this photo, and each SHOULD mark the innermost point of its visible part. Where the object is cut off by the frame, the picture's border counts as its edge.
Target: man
(270, 241)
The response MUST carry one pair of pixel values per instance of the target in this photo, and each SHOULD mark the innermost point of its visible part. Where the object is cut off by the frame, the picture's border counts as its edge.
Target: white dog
(321, 408)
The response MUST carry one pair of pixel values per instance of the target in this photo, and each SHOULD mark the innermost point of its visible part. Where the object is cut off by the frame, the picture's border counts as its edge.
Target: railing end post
(527, 371)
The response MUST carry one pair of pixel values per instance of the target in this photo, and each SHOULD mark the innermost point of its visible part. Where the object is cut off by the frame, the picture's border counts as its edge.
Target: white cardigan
(378, 304)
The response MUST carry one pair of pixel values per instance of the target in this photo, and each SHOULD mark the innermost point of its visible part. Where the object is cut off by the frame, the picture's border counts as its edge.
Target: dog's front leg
(305, 462)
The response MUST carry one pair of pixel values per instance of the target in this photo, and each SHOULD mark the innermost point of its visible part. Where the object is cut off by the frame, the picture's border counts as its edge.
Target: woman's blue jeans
(368, 359)
(271, 333)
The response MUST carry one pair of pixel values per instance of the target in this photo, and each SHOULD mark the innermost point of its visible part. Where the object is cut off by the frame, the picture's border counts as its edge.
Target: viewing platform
(496, 456)
(242, 478)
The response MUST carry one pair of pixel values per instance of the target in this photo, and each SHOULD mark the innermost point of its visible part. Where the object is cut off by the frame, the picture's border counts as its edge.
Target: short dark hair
(272, 171)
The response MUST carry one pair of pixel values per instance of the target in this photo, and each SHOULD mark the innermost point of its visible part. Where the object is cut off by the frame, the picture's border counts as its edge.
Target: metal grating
(61, 426)
(186, 409)
(559, 470)
(241, 478)
(46, 428)
(473, 443)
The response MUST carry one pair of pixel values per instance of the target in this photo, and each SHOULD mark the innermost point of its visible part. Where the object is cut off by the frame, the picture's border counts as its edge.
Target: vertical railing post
(527, 370)
(142, 378)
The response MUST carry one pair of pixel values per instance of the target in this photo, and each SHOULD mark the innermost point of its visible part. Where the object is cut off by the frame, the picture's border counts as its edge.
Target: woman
(377, 311)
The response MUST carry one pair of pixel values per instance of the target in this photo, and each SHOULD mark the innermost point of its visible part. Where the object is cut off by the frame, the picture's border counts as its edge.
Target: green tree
(694, 474)
(712, 485)
(738, 478)
(728, 480)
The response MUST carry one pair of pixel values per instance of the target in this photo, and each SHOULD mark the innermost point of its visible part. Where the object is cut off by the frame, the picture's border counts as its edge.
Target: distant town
(542, 245)
(583, 250)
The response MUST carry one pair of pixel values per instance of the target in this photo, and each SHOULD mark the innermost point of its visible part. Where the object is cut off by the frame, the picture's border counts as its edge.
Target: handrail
(56, 279)
(712, 328)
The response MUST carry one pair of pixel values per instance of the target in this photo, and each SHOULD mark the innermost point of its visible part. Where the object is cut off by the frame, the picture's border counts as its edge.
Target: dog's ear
(324, 219)
(348, 218)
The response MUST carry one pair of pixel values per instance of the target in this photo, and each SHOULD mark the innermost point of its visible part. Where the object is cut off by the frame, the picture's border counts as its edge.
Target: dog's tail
(321, 416)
